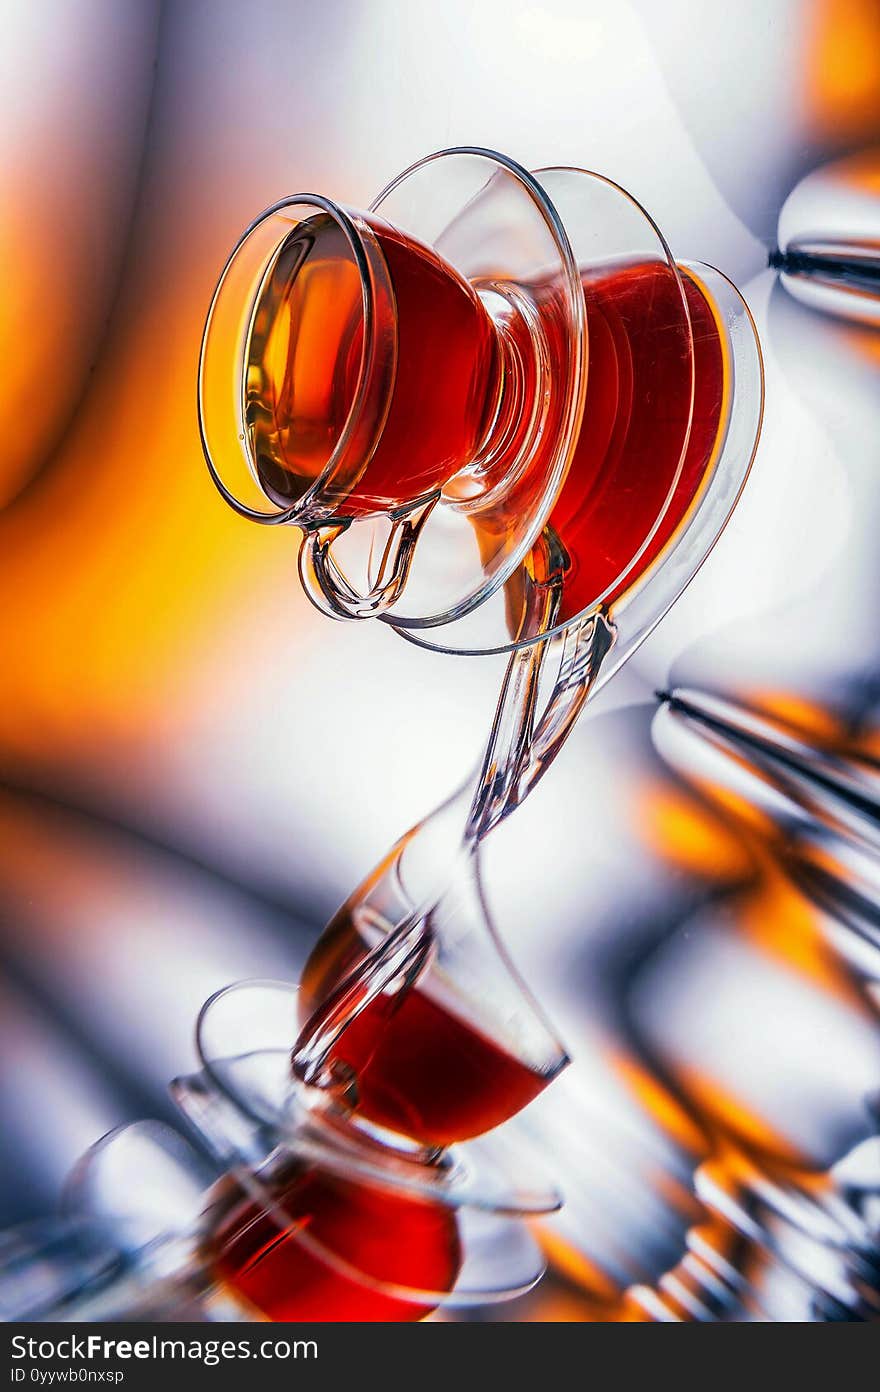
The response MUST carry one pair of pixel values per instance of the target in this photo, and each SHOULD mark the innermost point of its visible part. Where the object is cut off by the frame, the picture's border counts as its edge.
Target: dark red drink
(392, 1239)
(420, 1068)
(303, 364)
(635, 426)
(646, 367)
(304, 357)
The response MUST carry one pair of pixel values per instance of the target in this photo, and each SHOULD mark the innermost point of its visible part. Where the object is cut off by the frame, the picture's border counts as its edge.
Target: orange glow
(732, 1116)
(679, 830)
(752, 819)
(659, 1104)
(869, 741)
(842, 74)
(798, 713)
(775, 915)
(786, 926)
(865, 342)
(572, 1263)
(860, 171)
(122, 551)
(567, 1307)
(739, 1168)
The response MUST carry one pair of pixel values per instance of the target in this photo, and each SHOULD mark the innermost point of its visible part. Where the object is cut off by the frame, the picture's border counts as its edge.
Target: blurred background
(196, 768)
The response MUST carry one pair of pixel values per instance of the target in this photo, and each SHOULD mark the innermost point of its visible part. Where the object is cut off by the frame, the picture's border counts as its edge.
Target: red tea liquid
(391, 1238)
(304, 359)
(420, 1068)
(303, 366)
(635, 425)
(646, 369)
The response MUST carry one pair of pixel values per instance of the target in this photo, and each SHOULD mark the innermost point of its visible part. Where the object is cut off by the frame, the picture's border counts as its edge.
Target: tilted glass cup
(412, 1015)
(277, 1224)
(304, 1090)
(352, 372)
(623, 388)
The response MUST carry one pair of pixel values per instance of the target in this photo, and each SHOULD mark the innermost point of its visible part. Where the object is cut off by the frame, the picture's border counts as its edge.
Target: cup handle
(329, 588)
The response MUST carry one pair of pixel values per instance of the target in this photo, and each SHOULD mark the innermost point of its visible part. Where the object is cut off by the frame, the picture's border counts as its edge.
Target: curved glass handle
(328, 586)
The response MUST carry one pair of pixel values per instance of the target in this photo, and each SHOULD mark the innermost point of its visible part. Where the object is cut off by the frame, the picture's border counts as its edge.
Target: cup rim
(376, 369)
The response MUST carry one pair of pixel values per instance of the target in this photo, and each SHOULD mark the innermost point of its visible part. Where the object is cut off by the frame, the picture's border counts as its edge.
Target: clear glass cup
(591, 528)
(303, 1091)
(355, 364)
(411, 1013)
(277, 1224)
